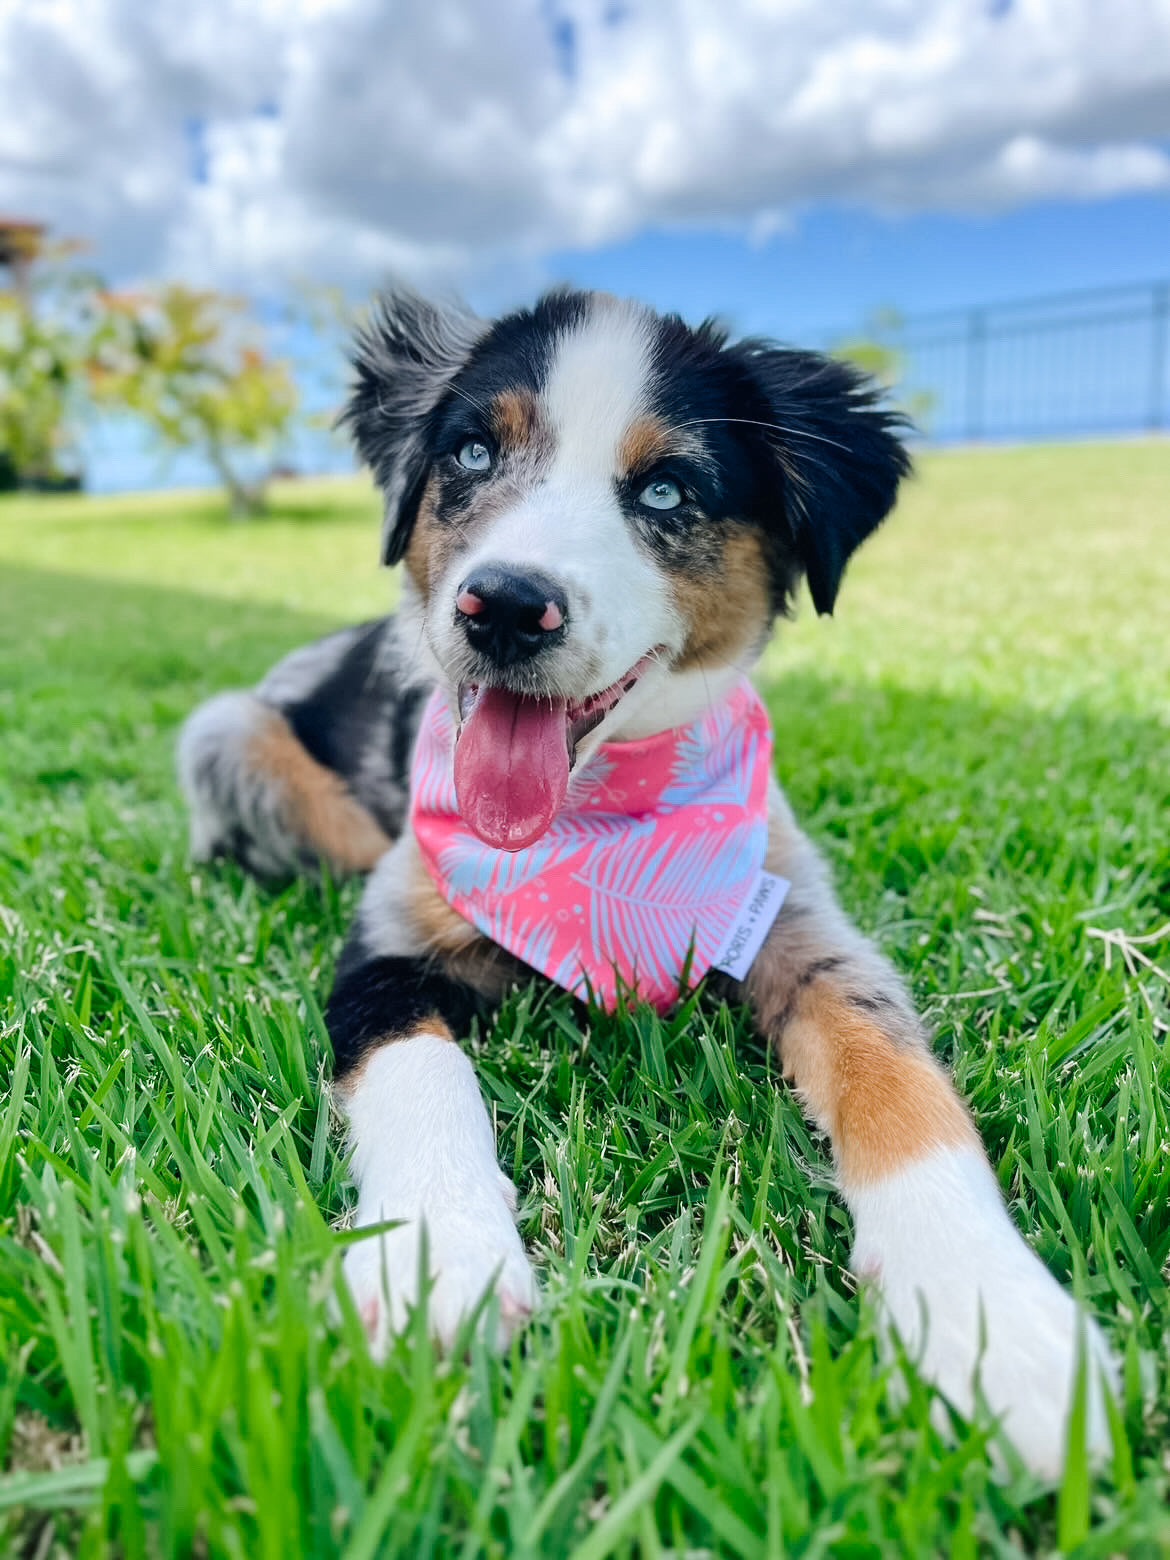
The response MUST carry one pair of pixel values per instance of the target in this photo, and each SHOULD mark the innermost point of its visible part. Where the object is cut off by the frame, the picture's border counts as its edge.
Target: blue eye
(475, 456)
(662, 493)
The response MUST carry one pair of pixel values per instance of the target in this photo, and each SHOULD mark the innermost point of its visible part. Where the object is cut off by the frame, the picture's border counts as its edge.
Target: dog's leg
(255, 793)
(952, 1275)
(422, 1142)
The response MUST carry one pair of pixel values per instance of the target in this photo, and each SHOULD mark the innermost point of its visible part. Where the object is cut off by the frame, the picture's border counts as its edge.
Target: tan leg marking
(881, 1103)
(320, 808)
(430, 1024)
(462, 952)
(844, 1028)
(726, 612)
(442, 929)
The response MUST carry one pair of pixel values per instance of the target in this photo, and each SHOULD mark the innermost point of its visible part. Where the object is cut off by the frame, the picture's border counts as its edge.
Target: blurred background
(972, 197)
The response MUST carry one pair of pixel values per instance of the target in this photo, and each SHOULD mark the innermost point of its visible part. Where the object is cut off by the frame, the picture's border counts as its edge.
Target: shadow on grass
(314, 504)
(97, 628)
(916, 795)
(897, 781)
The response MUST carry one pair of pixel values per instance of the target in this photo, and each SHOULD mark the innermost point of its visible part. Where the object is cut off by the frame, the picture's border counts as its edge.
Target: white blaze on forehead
(597, 384)
(569, 523)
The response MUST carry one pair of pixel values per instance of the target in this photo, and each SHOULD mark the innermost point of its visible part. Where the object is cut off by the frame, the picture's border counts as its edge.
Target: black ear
(839, 451)
(405, 356)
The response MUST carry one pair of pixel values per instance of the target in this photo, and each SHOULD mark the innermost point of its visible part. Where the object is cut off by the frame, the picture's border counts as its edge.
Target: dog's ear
(404, 356)
(839, 452)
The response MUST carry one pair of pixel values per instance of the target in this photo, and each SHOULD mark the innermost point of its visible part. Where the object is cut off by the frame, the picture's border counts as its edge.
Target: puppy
(550, 760)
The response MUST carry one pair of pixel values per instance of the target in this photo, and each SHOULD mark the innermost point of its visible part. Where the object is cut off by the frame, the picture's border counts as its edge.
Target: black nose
(510, 616)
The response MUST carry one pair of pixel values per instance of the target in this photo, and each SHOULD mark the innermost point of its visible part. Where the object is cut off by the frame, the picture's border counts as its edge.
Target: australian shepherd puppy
(549, 760)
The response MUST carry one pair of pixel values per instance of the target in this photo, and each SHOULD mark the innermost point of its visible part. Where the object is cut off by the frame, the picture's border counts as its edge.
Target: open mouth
(514, 753)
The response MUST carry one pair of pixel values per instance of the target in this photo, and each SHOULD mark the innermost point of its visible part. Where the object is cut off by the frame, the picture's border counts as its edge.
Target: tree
(36, 361)
(47, 323)
(190, 363)
(879, 355)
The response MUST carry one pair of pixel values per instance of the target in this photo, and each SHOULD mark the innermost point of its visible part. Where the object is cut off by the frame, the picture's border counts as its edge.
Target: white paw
(472, 1246)
(423, 1153)
(976, 1309)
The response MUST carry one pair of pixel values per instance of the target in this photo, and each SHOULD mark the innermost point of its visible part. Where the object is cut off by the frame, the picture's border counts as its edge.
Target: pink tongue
(511, 767)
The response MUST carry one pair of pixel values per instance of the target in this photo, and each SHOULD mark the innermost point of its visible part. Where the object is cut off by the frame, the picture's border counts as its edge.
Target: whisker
(794, 433)
(471, 401)
(382, 405)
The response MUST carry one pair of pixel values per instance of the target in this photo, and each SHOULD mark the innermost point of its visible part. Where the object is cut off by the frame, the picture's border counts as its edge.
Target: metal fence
(1059, 366)
(1072, 363)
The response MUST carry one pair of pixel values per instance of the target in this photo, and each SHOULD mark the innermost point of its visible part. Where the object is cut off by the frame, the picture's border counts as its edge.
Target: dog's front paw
(975, 1308)
(423, 1153)
(471, 1245)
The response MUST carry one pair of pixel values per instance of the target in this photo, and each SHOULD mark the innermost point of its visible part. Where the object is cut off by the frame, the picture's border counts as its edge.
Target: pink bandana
(656, 850)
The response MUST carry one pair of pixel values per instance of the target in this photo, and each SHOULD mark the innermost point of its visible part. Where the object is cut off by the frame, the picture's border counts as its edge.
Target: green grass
(981, 743)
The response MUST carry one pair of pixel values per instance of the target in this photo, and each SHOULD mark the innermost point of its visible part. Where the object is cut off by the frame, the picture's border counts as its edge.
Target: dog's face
(602, 511)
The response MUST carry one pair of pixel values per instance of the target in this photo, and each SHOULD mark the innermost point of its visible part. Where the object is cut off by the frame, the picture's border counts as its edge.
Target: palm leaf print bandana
(656, 850)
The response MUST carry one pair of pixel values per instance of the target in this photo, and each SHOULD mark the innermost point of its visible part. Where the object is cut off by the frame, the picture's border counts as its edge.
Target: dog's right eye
(662, 493)
(474, 456)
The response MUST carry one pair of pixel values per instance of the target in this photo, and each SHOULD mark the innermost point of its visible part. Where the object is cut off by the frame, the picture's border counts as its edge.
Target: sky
(789, 164)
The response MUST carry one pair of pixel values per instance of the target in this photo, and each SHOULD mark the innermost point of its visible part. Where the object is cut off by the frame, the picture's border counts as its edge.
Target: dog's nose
(510, 616)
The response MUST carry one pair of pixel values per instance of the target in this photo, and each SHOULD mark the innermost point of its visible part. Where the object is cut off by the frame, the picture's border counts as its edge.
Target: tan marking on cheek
(726, 609)
(318, 804)
(429, 548)
(882, 1104)
(647, 440)
(515, 419)
(435, 542)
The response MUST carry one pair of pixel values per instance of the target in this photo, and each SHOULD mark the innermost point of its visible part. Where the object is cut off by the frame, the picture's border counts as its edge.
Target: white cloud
(242, 139)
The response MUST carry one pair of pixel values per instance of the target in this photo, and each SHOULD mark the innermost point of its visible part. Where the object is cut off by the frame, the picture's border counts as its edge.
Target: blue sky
(823, 274)
(789, 164)
(833, 266)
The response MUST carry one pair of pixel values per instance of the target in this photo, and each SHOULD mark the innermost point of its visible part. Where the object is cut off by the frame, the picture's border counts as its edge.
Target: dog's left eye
(474, 456)
(662, 493)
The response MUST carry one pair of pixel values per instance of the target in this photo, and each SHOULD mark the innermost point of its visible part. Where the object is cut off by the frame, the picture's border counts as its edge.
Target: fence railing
(1096, 361)
(1071, 363)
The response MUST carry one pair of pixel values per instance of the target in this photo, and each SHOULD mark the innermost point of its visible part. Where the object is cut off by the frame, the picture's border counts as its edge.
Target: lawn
(981, 743)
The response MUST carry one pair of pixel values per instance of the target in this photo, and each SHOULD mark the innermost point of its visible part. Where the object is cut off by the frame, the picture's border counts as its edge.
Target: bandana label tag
(752, 925)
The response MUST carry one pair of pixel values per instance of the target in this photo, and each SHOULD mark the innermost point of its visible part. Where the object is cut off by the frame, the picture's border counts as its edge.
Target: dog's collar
(641, 875)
